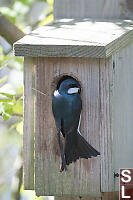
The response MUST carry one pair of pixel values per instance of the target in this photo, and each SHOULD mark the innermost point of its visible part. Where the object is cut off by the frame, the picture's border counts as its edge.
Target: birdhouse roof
(76, 38)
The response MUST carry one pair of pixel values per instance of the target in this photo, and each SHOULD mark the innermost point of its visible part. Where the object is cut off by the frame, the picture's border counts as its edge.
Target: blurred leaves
(20, 10)
(18, 107)
(6, 110)
(3, 59)
(19, 127)
(3, 80)
(7, 95)
(17, 12)
(49, 19)
(11, 87)
(11, 105)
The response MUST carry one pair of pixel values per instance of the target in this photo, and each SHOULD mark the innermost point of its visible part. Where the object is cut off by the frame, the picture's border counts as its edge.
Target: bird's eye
(73, 90)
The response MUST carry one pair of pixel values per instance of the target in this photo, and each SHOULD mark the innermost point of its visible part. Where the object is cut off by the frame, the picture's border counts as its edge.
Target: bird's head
(69, 86)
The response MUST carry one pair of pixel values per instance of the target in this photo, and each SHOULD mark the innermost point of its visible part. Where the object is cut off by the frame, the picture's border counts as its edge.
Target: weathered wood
(76, 38)
(76, 198)
(107, 176)
(28, 136)
(110, 196)
(82, 177)
(105, 196)
(123, 110)
(93, 9)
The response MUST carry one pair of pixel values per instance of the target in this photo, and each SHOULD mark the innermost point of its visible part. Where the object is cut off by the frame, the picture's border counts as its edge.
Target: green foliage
(10, 104)
(7, 110)
(7, 95)
(3, 59)
(17, 11)
(3, 80)
(19, 127)
(11, 98)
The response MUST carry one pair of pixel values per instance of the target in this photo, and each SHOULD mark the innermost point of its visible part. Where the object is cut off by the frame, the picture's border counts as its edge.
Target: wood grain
(93, 9)
(76, 198)
(110, 196)
(77, 38)
(28, 135)
(107, 176)
(123, 110)
(83, 177)
(105, 196)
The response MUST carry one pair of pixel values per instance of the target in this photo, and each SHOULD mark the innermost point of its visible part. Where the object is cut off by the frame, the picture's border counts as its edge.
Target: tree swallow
(66, 106)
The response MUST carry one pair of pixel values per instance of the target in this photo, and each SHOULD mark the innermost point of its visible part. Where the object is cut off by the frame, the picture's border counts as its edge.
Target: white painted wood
(93, 9)
(122, 106)
(28, 135)
(76, 38)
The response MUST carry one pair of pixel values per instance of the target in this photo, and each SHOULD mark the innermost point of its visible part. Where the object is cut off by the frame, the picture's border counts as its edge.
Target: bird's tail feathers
(80, 149)
(85, 150)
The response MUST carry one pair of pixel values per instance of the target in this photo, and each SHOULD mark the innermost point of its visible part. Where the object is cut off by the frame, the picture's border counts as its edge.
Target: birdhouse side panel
(82, 177)
(123, 110)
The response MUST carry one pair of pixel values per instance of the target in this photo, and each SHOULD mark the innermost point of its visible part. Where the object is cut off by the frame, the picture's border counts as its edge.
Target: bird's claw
(62, 168)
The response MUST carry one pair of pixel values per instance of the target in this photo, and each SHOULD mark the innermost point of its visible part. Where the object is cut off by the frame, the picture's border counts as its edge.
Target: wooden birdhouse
(99, 55)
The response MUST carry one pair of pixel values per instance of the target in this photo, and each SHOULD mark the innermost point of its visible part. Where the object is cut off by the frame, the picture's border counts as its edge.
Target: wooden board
(110, 196)
(93, 9)
(105, 196)
(28, 136)
(107, 172)
(77, 38)
(76, 198)
(123, 110)
(83, 177)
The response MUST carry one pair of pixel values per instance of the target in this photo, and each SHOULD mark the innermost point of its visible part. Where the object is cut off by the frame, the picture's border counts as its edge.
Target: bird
(66, 108)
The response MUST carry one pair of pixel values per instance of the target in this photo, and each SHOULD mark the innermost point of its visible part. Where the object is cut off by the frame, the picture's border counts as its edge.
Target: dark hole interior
(62, 79)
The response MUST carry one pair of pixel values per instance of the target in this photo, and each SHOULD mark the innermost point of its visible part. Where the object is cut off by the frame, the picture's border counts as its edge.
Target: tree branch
(9, 31)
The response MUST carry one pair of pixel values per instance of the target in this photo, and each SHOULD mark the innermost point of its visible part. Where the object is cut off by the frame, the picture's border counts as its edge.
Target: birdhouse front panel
(83, 176)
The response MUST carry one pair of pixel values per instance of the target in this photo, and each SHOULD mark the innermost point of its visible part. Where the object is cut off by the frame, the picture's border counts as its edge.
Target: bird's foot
(62, 168)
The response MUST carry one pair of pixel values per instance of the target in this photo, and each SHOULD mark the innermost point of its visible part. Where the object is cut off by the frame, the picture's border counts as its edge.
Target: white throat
(56, 93)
